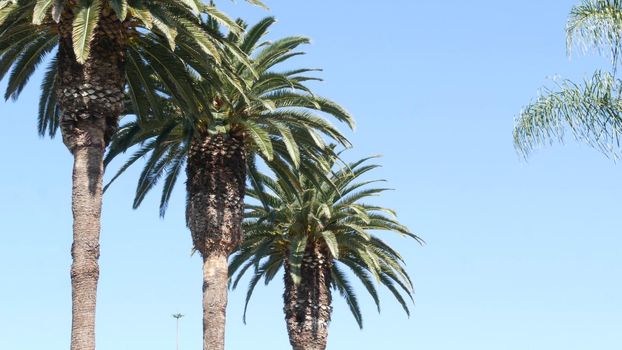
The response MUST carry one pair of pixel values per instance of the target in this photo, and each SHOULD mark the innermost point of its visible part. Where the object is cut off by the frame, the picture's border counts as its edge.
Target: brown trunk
(307, 306)
(86, 208)
(215, 208)
(215, 279)
(91, 100)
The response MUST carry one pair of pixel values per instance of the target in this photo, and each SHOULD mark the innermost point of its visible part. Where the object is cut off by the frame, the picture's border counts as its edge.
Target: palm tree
(314, 233)
(591, 110)
(270, 118)
(100, 46)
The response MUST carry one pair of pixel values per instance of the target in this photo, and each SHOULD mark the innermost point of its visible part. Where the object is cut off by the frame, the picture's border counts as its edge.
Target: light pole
(177, 317)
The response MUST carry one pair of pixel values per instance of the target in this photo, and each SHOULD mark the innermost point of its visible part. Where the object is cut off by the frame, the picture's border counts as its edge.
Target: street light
(177, 317)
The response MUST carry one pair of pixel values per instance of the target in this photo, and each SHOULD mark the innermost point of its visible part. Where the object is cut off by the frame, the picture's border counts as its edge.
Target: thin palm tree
(315, 234)
(100, 46)
(273, 118)
(590, 110)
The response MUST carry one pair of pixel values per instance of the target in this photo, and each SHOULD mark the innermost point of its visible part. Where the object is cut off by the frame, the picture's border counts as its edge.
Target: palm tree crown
(152, 31)
(295, 219)
(272, 111)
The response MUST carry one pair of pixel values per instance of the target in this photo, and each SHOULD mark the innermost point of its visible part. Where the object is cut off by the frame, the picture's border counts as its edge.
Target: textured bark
(86, 208)
(215, 279)
(91, 100)
(215, 208)
(307, 306)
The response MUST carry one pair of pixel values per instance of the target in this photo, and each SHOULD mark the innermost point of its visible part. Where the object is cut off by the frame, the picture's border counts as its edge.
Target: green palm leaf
(591, 111)
(84, 25)
(40, 11)
(120, 7)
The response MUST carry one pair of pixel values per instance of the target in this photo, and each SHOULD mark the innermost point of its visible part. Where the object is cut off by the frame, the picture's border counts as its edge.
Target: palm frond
(340, 282)
(84, 23)
(596, 24)
(49, 114)
(590, 111)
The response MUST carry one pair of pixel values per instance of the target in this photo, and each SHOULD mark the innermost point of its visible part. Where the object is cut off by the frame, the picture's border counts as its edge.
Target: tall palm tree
(272, 118)
(590, 110)
(100, 46)
(314, 233)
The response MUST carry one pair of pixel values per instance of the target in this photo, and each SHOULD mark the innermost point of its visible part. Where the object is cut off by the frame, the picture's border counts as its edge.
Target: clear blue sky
(519, 255)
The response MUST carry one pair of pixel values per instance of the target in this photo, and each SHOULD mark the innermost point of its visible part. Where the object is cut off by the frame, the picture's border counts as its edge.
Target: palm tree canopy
(274, 110)
(590, 109)
(158, 31)
(338, 217)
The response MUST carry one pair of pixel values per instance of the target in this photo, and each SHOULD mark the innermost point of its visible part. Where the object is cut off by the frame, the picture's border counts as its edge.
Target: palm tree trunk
(91, 100)
(307, 306)
(215, 208)
(215, 277)
(86, 208)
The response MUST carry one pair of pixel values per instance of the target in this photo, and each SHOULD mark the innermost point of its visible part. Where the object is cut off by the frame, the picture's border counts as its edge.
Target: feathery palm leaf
(591, 110)
(596, 24)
